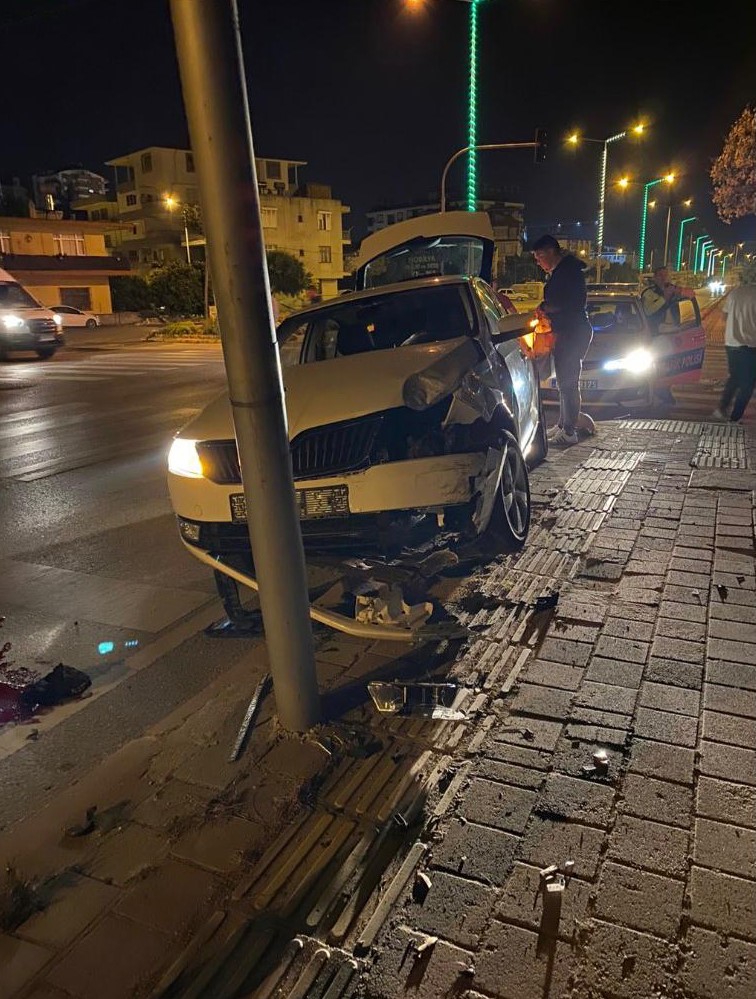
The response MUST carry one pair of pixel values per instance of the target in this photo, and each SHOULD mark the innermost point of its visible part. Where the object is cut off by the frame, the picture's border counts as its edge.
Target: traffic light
(540, 148)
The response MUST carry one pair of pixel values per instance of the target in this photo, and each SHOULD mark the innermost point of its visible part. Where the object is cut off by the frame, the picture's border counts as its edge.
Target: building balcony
(15, 262)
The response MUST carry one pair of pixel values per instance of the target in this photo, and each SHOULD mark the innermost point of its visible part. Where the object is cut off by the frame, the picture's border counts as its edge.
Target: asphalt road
(91, 569)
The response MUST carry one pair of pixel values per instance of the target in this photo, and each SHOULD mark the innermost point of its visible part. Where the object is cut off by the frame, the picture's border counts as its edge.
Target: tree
(733, 173)
(287, 274)
(178, 288)
(130, 293)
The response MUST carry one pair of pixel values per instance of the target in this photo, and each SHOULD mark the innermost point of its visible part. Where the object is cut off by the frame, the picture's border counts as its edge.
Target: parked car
(76, 317)
(25, 324)
(630, 362)
(413, 401)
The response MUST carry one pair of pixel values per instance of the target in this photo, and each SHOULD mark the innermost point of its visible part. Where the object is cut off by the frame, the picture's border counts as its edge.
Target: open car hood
(344, 388)
(439, 244)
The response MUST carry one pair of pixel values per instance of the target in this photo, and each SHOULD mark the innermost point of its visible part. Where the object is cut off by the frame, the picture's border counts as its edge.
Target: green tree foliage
(287, 274)
(130, 293)
(733, 173)
(178, 288)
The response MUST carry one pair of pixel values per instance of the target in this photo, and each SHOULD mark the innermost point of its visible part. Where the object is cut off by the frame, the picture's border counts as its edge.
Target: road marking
(114, 364)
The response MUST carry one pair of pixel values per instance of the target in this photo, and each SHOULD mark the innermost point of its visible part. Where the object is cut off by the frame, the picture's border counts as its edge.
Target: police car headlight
(636, 362)
(12, 322)
(183, 459)
(57, 319)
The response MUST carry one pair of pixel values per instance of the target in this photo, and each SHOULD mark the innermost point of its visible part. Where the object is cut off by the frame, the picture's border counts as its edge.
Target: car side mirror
(512, 327)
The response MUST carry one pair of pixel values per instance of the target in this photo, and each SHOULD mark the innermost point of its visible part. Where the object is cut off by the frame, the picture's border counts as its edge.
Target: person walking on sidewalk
(564, 305)
(740, 344)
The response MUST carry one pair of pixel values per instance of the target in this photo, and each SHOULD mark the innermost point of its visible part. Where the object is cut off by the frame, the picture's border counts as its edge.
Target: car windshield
(13, 296)
(612, 315)
(422, 257)
(378, 322)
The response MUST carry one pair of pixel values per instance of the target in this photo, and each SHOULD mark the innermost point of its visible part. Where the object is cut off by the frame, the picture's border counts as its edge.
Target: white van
(26, 324)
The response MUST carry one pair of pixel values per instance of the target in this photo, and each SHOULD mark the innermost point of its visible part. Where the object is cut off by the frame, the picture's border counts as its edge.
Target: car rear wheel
(510, 520)
(45, 352)
(91, 324)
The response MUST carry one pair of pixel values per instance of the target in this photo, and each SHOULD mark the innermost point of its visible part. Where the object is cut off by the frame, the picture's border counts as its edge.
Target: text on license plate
(586, 384)
(332, 501)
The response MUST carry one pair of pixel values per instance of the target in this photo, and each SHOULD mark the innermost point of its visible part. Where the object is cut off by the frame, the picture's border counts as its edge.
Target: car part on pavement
(260, 690)
(430, 700)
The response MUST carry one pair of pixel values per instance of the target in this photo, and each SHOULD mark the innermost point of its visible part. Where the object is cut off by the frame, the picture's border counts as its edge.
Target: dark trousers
(569, 350)
(741, 363)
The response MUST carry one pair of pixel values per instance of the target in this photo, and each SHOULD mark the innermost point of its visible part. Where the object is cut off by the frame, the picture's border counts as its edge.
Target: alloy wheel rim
(514, 492)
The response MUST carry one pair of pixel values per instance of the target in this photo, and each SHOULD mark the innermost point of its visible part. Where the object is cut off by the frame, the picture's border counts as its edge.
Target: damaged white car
(412, 404)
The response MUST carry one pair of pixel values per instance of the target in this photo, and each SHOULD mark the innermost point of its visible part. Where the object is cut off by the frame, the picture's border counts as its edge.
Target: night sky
(374, 98)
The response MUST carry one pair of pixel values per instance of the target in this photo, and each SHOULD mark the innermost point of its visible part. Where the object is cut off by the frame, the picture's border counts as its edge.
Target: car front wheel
(91, 324)
(45, 352)
(510, 520)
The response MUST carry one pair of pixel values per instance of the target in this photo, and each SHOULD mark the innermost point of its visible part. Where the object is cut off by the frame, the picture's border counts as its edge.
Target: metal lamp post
(704, 247)
(605, 143)
(669, 179)
(472, 109)
(686, 204)
(172, 203)
(699, 239)
(683, 223)
(738, 248)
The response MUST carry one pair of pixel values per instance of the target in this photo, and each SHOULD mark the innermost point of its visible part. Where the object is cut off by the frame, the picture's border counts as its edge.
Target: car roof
(384, 289)
(624, 296)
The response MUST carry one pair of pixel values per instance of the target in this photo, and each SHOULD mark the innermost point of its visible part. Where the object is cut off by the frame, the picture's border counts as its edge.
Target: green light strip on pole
(704, 247)
(695, 255)
(680, 239)
(472, 112)
(644, 214)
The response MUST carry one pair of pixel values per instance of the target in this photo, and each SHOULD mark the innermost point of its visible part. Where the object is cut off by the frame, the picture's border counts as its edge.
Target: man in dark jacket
(563, 304)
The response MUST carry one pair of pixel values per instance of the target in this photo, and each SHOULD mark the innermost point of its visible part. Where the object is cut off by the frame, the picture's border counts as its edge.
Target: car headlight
(183, 459)
(12, 322)
(57, 319)
(636, 362)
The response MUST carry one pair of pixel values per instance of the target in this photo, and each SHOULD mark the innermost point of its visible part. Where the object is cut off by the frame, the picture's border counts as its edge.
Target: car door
(520, 367)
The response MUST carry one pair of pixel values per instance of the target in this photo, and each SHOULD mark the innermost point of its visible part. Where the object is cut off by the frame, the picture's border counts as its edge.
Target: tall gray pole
(208, 46)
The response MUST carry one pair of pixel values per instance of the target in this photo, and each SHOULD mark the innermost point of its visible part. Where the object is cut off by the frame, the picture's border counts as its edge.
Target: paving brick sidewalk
(415, 867)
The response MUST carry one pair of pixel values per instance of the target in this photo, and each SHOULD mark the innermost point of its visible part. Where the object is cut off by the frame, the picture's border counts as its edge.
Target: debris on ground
(431, 700)
(19, 899)
(421, 887)
(722, 591)
(23, 691)
(260, 690)
(86, 827)
(383, 603)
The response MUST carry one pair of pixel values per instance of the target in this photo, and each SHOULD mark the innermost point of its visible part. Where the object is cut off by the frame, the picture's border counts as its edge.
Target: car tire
(508, 527)
(91, 324)
(46, 353)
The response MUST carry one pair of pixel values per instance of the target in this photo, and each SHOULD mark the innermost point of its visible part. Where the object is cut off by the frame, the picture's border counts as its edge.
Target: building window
(146, 162)
(190, 162)
(270, 218)
(135, 230)
(4, 242)
(79, 298)
(324, 252)
(324, 221)
(69, 244)
(108, 242)
(272, 169)
(131, 199)
(300, 218)
(301, 253)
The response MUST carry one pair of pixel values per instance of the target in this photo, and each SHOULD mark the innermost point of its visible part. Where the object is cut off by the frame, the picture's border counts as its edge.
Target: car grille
(40, 326)
(340, 447)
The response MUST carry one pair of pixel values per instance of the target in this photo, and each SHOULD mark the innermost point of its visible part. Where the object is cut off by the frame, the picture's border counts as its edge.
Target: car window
(614, 316)
(380, 322)
(290, 348)
(491, 306)
(66, 309)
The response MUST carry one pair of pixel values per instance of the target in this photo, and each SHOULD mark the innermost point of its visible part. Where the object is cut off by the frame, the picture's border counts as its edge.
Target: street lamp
(686, 204)
(171, 203)
(705, 248)
(698, 247)
(669, 179)
(605, 143)
(683, 223)
(738, 248)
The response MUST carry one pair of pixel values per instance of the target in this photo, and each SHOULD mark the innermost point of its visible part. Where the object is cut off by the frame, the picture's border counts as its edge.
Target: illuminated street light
(574, 139)
(170, 204)
(687, 204)
(669, 179)
(698, 246)
(738, 248)
(683, 223)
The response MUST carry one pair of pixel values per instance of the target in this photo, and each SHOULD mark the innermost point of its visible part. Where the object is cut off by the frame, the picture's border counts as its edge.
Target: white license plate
(314, 504)
(588, 384)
